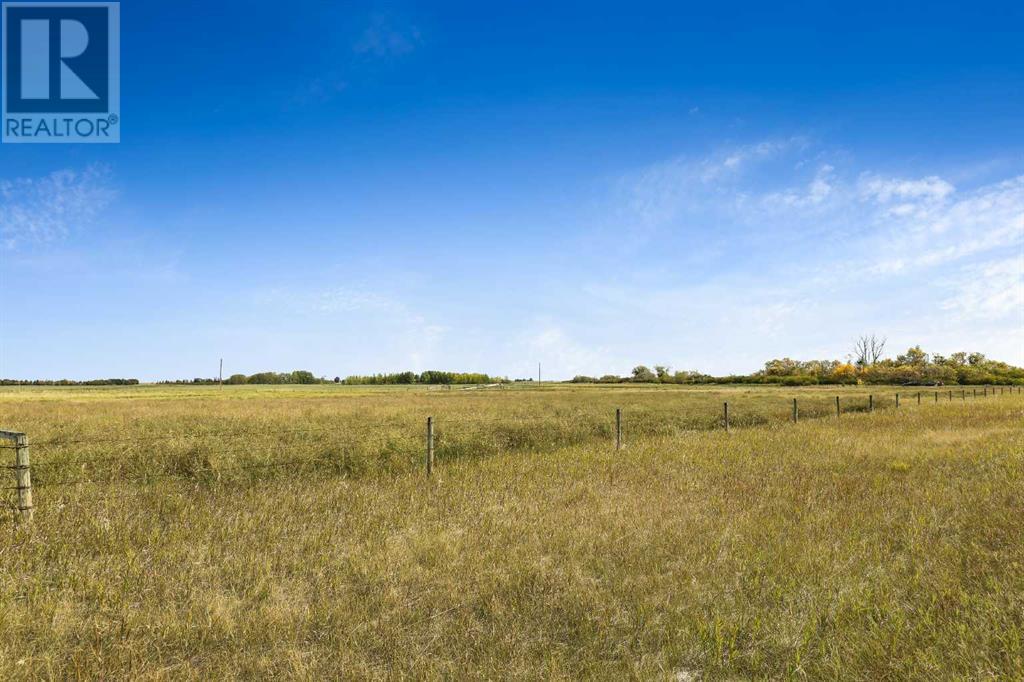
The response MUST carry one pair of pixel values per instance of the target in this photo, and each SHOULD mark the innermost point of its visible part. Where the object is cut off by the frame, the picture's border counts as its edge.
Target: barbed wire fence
(435, 432)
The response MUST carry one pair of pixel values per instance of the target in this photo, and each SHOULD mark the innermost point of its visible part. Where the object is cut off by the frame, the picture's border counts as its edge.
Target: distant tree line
(299, 376)
(661, 374)
(428, 377)
(865, 366)
(914, 367)
(302, 376)
(68, 382)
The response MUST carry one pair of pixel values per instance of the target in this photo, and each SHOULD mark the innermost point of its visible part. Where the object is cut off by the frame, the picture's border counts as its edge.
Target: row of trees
(302, 376)
(68, 382)
(661, 374)
(915, 366)
(428, 377)
(299, 376)
(865, 366)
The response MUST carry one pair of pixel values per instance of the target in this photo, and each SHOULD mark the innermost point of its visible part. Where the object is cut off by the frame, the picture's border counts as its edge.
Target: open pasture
(290, 532)
(245, 432)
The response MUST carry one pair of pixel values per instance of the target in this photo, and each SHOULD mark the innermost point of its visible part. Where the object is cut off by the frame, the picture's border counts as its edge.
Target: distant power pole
(538, 372)
(220, 374)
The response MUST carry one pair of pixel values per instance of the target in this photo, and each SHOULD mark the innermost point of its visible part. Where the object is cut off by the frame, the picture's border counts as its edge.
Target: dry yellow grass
(884, 546)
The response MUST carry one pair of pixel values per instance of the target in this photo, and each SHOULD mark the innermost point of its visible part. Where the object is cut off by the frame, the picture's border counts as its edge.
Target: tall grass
(244, 433)
(883, 546)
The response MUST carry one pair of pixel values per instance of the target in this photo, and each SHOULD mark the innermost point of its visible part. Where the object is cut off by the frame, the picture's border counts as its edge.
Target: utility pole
(220, 374)
(538, 372)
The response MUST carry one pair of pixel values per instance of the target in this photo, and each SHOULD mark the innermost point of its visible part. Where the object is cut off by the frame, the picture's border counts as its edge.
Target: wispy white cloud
(330, 300)
(388, 36)
(932, 188)
(874, 225)
(942, 226)
(47, 209)
(663, 192)
(350, 314)
(990, 291)
(809, 248)
(818, 191)
(552, 345)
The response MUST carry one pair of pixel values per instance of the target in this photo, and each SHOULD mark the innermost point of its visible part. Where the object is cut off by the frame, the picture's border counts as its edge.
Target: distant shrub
(800, 380)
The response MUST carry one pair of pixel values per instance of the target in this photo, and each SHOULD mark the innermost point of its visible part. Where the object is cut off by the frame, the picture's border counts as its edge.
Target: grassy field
(199, 533)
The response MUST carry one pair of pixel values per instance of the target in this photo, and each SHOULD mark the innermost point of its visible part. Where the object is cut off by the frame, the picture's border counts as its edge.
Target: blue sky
(363, 187)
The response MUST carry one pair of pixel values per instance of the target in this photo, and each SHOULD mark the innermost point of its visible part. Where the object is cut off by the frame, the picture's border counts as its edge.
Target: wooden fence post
(430, 445)
(796, 415)
(22, 472)
(951, 396)
(838, 411)
(919, 397)
(936, 396)
(897, 401)
(871, 403)
(726, 414)
(963, 394)
(618, 428)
